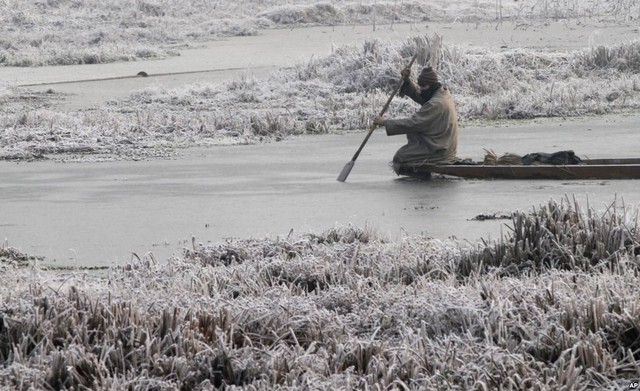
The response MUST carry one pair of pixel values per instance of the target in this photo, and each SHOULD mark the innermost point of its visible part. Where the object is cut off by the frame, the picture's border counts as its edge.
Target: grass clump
(13, 256)
(316, 96)
(337, 314)
(558, 236)
(68, 32)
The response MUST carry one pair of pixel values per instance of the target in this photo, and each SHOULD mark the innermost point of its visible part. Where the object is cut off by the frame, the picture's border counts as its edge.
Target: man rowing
(432, 131)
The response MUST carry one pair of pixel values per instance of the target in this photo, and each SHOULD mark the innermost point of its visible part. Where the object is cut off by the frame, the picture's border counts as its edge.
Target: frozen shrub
(342, 309)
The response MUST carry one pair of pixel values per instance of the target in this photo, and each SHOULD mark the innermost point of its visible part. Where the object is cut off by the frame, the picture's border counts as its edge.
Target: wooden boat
(587, 169)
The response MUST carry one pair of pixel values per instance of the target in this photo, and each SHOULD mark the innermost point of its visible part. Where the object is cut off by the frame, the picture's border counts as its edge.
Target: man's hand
(379, 120)
(406, 72)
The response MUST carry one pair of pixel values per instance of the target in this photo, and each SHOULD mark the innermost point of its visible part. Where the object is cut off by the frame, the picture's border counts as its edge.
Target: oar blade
(345, 171)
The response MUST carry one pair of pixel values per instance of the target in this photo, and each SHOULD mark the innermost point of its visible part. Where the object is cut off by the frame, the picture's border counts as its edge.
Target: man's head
(427, 77)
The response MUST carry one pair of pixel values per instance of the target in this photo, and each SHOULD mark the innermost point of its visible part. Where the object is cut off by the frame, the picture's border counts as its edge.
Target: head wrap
(427, 76)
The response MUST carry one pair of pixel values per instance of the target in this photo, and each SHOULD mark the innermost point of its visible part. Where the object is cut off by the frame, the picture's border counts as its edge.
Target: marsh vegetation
(63, 32)
(314, 96)
(551, 305)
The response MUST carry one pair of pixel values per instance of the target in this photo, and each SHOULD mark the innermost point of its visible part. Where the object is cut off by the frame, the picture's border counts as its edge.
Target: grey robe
(432, 132)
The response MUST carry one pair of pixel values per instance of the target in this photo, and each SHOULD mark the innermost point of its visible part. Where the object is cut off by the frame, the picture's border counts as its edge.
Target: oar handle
(384, 109)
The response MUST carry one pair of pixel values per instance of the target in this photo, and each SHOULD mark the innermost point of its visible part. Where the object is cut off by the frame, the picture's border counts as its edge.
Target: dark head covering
(427, 76)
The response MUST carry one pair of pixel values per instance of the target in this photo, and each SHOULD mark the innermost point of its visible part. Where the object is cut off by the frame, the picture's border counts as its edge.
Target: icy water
(101, 213)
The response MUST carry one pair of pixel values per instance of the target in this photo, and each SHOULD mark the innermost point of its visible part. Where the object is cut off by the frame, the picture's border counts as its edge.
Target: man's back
(432, 132)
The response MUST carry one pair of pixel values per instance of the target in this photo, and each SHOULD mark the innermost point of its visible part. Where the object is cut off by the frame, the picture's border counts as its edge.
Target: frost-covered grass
(341, 310)
(13, 256)
(513, 84)
(58, 32)
(334, 93)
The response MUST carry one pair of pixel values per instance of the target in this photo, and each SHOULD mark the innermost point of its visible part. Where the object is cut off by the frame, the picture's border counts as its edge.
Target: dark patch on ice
(492, 216)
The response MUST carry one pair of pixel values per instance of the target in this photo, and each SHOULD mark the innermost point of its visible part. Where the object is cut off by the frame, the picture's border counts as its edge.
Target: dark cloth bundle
(556, 158)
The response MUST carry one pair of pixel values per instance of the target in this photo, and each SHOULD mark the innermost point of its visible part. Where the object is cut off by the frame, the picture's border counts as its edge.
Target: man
(432, 132)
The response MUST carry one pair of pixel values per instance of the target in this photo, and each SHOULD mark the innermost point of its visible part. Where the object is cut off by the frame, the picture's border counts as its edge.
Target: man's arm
(411, 90)
(418, 122)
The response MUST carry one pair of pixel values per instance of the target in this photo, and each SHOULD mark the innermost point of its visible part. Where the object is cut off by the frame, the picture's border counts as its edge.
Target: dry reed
(553, 305)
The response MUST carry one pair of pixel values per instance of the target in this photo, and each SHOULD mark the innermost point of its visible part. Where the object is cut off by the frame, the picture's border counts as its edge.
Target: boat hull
(589, 169)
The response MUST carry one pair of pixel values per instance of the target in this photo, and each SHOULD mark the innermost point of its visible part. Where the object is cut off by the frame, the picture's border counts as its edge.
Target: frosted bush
(343, 309)
(72, 32)
(334, 93)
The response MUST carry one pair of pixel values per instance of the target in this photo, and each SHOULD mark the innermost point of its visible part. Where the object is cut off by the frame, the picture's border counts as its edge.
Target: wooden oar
(347, 168)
